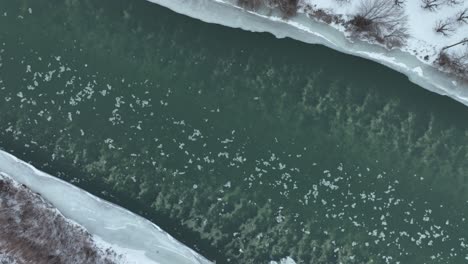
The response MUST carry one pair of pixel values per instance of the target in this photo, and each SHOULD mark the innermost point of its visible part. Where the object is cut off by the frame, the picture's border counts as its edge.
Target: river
(245, 147)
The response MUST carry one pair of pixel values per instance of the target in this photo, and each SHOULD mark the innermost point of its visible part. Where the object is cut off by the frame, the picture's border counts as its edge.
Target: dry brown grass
(453, 64)
(32, 231)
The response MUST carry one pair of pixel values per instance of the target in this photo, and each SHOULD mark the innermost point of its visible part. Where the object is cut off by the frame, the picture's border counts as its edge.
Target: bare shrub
(32, 231)
(322, 15)
(455, 62)
(250, 4)
(288, 8)
(381, 20)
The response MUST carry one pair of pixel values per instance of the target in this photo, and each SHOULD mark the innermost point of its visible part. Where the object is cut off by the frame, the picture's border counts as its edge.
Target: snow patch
(287, 260)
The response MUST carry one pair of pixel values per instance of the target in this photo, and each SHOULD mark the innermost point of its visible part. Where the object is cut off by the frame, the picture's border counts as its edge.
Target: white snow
(7, 259)
(302, 28)
(135, 238)
(421, 22)
(286, 260)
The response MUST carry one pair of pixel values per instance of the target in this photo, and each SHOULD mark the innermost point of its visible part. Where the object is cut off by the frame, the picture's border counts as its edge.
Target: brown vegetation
(250, 4)
(287, 7)
(455, 63)
(381, 20)
(32, 231)
(323, 15)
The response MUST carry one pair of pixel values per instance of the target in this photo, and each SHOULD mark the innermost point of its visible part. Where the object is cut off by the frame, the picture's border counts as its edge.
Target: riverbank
(302, 28)
(435, 34)
(33, 231)
(115, 234)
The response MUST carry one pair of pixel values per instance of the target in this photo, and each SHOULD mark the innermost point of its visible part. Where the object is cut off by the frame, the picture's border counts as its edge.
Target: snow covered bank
(134, 238)
(302, 28)
(422, 38)
(33, 231)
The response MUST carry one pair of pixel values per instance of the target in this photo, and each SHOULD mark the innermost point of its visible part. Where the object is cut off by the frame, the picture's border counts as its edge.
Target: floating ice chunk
(286, 260)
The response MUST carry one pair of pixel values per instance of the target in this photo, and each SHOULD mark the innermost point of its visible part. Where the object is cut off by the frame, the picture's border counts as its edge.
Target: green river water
(245, 147)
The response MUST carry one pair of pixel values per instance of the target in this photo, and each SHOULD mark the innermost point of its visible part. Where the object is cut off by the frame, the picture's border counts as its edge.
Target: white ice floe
(302, 28)
(138, 240)
(287, 260)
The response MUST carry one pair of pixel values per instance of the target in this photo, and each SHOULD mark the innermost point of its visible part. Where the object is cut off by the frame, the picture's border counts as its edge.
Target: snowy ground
(423, 39)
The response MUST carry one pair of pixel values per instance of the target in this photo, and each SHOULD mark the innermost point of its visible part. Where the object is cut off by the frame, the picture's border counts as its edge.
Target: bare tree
(289, 7)
(445, 27)
(455, 62)
(462, 16)
(382, 20)
(431, 4)
(378, 10)
(462, 42)
(399, 3)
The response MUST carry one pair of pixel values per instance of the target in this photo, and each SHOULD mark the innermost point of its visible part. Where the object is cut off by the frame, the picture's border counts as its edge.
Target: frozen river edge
(135, 238)
(302, 28)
